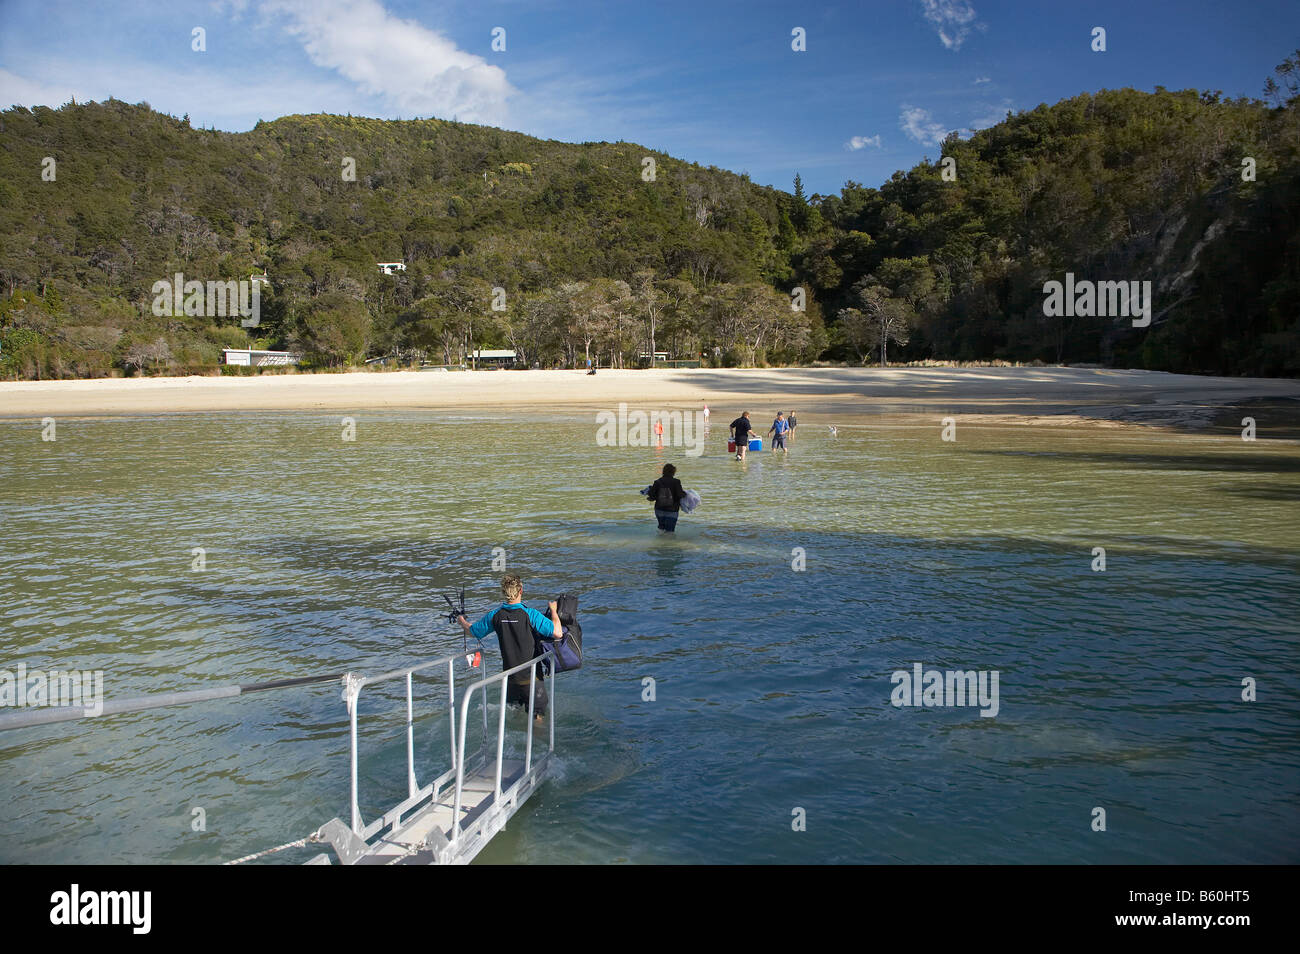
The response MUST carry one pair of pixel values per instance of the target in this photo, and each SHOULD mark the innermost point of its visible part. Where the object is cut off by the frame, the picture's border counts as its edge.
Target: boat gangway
(447, 820)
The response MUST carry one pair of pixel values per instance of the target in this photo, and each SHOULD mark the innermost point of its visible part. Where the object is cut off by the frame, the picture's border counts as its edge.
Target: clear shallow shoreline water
(1118, 689)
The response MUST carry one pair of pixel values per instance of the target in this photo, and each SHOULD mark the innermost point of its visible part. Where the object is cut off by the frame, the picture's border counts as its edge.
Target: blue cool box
(756, 443)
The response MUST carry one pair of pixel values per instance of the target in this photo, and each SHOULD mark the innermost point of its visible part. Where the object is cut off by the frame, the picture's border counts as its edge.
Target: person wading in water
(518, 629)
(780, 429)
(740, 430)
(666, 494)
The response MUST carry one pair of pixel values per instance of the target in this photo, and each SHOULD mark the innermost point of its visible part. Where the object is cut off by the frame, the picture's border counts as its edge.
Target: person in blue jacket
(519, 630)
(779, 429)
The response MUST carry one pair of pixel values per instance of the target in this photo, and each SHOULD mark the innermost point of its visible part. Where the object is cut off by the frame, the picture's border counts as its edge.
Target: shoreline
(1058, 396)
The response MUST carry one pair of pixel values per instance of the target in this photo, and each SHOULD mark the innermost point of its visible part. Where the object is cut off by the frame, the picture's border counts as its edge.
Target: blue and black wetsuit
(519, 631)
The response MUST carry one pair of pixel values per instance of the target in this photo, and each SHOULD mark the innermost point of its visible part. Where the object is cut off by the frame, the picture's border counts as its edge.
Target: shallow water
(1118, 689)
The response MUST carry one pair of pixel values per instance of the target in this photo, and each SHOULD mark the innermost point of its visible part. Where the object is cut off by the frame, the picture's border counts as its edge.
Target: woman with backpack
(666, 494)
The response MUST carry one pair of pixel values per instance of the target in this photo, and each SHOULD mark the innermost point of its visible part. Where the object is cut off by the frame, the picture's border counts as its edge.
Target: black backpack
(665, 500)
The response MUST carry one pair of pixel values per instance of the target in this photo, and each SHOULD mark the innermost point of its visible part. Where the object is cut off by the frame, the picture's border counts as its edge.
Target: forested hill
(607, 250)
(317, 201)
(1198, 195)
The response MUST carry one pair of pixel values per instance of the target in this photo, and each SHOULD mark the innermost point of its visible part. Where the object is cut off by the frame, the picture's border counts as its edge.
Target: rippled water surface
(1118, 689)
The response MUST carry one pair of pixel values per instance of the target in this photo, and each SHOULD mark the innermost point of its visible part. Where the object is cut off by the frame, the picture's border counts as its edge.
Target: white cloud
(409, 66)
(952, 20)
(858, 142)
(224, 99)
(982, 79)
(991, 117)
(17, 90)
(921, 127)
(381, 65)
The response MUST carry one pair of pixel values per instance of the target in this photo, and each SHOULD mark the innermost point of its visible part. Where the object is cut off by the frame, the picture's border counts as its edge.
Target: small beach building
(502, 358)
(253, 358)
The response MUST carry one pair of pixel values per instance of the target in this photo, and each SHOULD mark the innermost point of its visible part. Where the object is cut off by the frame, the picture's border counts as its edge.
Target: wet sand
(1043, 396)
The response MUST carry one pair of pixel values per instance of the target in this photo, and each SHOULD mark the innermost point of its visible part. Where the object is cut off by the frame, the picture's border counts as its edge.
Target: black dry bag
(568, 648)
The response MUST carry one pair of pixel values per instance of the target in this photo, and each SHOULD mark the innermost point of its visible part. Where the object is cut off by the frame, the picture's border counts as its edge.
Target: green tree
(335, 329)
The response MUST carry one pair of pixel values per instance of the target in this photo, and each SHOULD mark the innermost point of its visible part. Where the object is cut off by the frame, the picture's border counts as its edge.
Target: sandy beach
(1049, 395)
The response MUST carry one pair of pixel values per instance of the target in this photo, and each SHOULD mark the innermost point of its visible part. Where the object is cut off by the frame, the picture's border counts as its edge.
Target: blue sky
(878, 86)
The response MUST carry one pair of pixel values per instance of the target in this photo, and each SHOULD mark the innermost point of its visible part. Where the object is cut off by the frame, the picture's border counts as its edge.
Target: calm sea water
(1118, 689)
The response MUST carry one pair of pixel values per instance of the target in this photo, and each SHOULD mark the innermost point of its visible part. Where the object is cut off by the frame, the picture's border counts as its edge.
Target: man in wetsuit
(740, 429)
(518, 630)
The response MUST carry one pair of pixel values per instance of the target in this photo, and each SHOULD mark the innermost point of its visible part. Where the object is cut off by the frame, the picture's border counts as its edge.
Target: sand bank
(996, 395)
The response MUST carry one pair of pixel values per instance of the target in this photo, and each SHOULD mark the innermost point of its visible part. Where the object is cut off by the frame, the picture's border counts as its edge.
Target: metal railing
(352, 687)
(414, 792)
(502, 678)
(417, 794)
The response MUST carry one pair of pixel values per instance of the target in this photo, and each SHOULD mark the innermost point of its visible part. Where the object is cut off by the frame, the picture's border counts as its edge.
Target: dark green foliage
(139, 196)
(567, 253)
(1120, 185)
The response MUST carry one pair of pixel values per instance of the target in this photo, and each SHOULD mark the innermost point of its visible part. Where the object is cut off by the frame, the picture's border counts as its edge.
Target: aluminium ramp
(427, 838)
